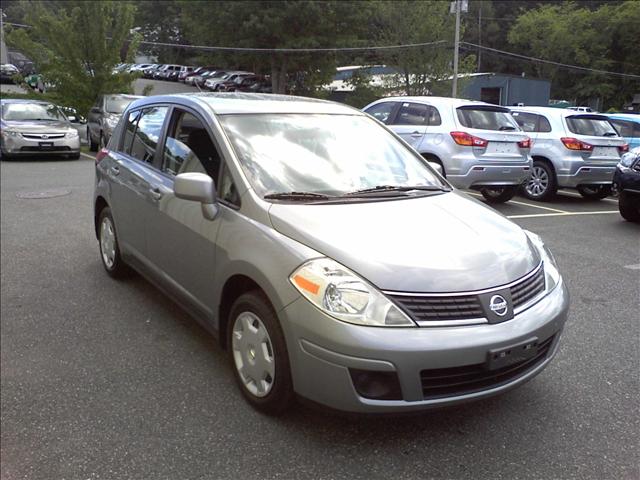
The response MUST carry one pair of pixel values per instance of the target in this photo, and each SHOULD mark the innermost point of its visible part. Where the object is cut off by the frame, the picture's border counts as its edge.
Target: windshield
(31, 111)
(585, 125)
(117, 104)
(322, 154)
(486, 118)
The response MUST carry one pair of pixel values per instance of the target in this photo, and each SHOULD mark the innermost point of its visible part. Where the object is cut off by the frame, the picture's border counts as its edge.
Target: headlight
(551, 273)
(10, 132)
(72, 133)
(111, 121)
(627, 159)
(340, 293)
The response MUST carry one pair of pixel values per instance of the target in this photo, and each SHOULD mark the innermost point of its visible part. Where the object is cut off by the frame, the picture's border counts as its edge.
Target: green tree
(75, 56)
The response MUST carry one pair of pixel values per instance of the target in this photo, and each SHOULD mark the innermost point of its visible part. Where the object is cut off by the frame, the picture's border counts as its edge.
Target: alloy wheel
(538, 182)
(253, 354)
(107, 242)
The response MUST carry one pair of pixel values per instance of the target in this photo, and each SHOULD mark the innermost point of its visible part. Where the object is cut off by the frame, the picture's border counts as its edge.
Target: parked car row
(499, 150)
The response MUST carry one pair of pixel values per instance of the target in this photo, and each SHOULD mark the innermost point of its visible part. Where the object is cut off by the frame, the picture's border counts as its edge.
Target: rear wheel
(499, 194)
(258, 353)
(595, 192)
(542, 184)
(629, 206)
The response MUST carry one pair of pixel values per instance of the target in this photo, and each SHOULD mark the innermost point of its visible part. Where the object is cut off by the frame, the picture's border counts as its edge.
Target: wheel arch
(432, 157)
(100, 204)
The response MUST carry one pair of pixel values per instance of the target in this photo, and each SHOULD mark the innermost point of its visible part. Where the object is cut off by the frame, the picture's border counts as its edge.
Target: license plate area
(502, 147)
(506, 356)
(45, 145)
(605, 152)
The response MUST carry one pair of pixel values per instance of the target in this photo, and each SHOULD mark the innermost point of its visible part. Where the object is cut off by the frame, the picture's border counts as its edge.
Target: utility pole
(454, 86)
(479, 35)
(3, 46)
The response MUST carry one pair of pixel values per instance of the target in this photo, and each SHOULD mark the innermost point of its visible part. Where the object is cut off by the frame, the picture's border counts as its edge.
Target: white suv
(478, 145)
(571, 149)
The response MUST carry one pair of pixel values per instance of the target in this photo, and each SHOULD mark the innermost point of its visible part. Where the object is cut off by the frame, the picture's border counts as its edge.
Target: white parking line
(87, 156)
(577, 195)
(525, 204)
(633, 267)
(564, 214)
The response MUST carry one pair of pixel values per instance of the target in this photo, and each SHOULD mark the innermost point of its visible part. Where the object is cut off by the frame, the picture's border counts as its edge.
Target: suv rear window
(591, 125)
(486, 118)
(626, 128)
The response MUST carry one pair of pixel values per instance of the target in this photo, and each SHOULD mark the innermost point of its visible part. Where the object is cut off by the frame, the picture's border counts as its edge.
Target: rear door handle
(115, 170)
(416, 134)
(156, 193)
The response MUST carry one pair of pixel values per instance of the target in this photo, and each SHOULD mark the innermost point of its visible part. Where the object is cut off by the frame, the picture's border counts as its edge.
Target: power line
(550, 62)
(295, 50)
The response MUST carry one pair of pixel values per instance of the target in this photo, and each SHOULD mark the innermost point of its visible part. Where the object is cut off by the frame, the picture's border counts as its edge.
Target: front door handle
(416, 134)
(115, 170)
(156, 193)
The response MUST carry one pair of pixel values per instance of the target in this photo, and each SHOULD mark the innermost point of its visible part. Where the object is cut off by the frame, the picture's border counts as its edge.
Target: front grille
(528, 289)
(456, 381)
(441, 308)
(45, 149)
(39, 136)
(430, 308)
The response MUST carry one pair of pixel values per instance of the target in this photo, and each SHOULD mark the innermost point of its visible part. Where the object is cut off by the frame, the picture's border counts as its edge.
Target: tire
(109, 248)
(252, 316)
(542, 184)
(629, 206)
(499, 194)
(595, 192)
(93, 146)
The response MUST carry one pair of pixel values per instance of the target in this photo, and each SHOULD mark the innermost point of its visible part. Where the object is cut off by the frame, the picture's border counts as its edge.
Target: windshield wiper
(297, 196)
(398, 188)
(505, 128)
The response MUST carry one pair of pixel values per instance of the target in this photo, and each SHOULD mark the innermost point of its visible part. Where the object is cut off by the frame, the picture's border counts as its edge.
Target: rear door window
(486, 118)
(147, 134)
(591, 125)
(381, 111)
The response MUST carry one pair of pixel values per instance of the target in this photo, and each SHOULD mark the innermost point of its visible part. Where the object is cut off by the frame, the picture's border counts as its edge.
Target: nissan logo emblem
(498, 305)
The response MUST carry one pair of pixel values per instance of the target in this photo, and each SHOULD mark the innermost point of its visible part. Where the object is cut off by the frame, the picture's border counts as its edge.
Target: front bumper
(17, 145)
(627, 180)
(322, 350)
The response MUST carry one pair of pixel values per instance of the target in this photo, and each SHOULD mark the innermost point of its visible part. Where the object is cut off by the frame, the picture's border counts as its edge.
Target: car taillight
(527, 143)
(462, 138)
(575, 144)
(623, 148)
(101, 154)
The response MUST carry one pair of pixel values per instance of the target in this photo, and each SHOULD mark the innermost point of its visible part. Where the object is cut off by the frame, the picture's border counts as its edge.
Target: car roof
(430, 100)
(561, 112)
(243, 103)
(25, 100)
(624, 116)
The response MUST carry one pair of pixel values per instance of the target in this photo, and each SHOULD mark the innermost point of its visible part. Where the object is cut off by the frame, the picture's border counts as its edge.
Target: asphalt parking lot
(106, 380)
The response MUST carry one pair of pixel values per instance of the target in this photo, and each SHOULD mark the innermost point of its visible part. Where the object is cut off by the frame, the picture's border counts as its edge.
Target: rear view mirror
(197, 187)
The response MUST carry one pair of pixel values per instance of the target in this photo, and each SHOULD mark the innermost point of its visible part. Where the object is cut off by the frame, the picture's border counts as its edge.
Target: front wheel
(629, 206)
(259, 355)
(499, 194)
(109, 248)
(595, 192)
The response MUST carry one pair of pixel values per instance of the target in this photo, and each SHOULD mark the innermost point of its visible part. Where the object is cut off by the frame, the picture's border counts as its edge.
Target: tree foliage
(75, 56)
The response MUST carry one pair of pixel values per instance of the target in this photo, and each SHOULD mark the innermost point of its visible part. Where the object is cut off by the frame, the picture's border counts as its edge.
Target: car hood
(37, 126)
(438, 243)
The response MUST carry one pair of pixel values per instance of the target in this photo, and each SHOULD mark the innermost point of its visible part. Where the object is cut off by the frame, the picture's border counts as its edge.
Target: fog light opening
(376, 385)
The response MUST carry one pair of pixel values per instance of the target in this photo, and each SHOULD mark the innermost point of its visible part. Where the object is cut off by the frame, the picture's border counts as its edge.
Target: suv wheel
(93, 146)
(499, 194)
(258, 353)
(542, 184)
(595, 192)
(629, 207)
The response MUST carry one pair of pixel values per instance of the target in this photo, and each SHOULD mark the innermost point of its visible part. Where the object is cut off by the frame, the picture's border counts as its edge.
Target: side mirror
(437, 167)
(197, 187)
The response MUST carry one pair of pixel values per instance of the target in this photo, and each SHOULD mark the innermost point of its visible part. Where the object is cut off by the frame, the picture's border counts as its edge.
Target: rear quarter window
(486, 118)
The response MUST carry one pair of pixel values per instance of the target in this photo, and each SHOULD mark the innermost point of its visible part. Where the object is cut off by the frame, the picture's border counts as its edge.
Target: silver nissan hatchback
(327, 256)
